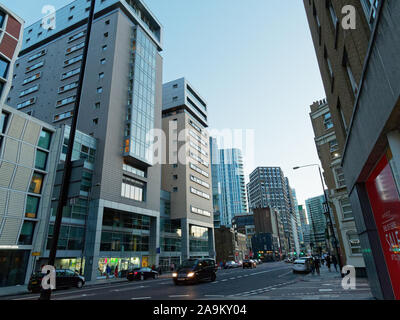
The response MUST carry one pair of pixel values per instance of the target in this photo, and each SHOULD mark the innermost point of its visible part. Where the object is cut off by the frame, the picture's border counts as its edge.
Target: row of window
(199, 170)
(133, 189)
(198, 159)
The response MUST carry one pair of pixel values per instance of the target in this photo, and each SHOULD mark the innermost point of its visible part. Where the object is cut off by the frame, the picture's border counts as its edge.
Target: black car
(196, 270)
(249, 264)
(64, 279)
(142, 274)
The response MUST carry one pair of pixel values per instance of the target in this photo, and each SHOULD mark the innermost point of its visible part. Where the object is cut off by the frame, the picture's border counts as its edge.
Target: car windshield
(189, 263)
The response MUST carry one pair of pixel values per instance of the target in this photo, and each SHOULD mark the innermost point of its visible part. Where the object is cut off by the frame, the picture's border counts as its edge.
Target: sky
(253, 62)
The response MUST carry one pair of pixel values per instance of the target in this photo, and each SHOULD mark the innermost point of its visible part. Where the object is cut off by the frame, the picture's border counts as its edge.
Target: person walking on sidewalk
(312, 265)
(328, 262)
(317, 265)
(334, 261)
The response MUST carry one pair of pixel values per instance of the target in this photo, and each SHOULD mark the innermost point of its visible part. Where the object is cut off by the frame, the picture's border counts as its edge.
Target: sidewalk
(326, 286)
(23, 289)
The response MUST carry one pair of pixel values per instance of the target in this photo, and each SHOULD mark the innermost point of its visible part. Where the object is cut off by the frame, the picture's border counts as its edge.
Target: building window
(73, 60)
(45, 139)
(370, 9)
(68, 87)
(133, 189)
(32, 78)
(3, 122)
(100, 90)
(104, 48)
(32, 207)
(41, 160)
(37, 55)
(29, 90)
(200, 193)
(332, 12)
(36, 183)
(65, 101)
(2, 18)
(328, 124)
(63, 116)
(71, 73)
(101, 75)
(34, 67)
(352, 79)
(340, 179)
(26, 236)
(77, 36)
(346, 208)
(133, 170)
(354, 242)
(103, 61)
(3, 68)
(75, 48)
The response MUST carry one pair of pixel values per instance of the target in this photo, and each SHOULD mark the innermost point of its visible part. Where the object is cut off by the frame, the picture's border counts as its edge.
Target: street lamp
(327, 212)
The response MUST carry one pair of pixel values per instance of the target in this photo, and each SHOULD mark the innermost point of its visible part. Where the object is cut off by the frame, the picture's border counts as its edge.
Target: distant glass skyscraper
(315, 209)
(229, 188)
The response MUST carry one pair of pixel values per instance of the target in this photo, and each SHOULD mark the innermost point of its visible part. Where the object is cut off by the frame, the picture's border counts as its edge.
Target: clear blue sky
(254, 63)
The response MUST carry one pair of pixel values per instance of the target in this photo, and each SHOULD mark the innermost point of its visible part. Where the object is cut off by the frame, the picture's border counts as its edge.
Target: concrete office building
(28, 154)
(244, 224)
(230, 245)
(11, 30)
(268, 188)
(371, 154)
(121, 104)
(330, 153)
(229, 188)
(187, 172)
(318, 223)
(216, 181)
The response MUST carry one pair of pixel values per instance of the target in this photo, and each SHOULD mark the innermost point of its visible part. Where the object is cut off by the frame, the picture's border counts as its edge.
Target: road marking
(142, 298)
(128, 289)
(325, 290)
(285, 274)
(224, 280)
(75, 297)
(179, 296)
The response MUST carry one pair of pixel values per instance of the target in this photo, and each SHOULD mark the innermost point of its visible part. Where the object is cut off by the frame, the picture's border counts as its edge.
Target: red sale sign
(385, 203)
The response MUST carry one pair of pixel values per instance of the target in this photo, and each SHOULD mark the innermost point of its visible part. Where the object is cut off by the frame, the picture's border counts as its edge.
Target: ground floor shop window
(109, 266)
(13, 267)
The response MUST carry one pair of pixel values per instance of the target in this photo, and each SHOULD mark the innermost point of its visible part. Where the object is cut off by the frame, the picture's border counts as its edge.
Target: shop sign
(385, 202)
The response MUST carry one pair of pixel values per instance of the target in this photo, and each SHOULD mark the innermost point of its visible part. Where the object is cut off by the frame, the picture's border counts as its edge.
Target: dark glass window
(3, 122)
(2, 17)
(36, 183)
(3, 68)
(26, 235)
(44, 140)
(32, 206)
(41, 160)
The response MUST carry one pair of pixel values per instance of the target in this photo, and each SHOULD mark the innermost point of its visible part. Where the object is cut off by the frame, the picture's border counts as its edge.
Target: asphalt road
(230, 284)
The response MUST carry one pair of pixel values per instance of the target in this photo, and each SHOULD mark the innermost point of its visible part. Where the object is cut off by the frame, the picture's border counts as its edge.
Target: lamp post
(327, 212)
(62, 202)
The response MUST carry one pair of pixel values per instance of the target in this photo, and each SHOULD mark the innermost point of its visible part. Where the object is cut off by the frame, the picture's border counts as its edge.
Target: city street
(269, 281)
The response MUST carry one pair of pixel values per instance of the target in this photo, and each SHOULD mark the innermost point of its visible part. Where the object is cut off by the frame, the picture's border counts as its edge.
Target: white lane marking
(325, 290)
(224, 280)
(129, 289)
(75, 297)
(142, 298)
(285, 274)
(179, 296)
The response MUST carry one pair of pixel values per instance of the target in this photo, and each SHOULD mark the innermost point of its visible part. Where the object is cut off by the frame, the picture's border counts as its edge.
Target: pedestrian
(328, 262)
(334, 261)
(317, 265)
(116, 272)
(312, 265)
(108, 271)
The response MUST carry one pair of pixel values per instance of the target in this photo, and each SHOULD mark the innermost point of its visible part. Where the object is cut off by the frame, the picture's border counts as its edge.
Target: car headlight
(174, 275)
(190, 275)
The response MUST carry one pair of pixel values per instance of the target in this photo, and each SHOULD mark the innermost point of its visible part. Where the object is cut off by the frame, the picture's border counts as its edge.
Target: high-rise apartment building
(187, 172)
(268, 188)
(318, 223)
(11, 30)
(229, 188)
(339, 202)
(120, 105)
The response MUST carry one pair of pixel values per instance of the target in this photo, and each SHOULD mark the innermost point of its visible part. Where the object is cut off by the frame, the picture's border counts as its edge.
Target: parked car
(142, 274)
(249, 264)
(231, 265)
(302, 265)
(196, 270)
(64, 279)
